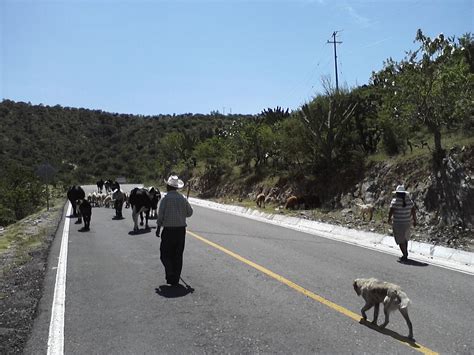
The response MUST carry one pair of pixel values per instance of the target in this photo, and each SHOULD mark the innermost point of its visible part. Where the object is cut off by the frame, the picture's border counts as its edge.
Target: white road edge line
(56, 326)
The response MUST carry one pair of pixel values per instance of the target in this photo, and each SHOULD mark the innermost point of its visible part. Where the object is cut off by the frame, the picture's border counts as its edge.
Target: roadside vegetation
(24, 250)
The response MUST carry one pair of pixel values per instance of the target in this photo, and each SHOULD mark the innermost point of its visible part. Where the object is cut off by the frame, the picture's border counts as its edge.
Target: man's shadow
(412, 262)
(411, 342)
(168, 291)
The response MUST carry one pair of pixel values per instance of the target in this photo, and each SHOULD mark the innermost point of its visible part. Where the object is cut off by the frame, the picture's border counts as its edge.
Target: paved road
(253, 288)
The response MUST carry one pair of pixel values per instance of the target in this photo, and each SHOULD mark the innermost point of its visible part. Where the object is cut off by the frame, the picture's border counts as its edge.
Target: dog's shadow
(173, 291)
(391, 333)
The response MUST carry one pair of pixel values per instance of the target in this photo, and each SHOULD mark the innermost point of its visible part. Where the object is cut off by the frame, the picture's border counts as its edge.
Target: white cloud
(358, 18)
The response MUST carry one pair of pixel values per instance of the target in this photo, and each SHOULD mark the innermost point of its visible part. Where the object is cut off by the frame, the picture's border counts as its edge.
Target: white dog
(375, 292)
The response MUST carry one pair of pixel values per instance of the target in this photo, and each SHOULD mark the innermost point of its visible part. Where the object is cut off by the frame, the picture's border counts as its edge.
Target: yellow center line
(304, 291)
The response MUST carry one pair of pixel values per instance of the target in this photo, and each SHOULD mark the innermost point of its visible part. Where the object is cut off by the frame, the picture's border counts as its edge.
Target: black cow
(100, 185)
(74, 194)
(119, 198)
(140, 201)
(85, 210)
(108, 184)
(155, 198)
(114, 186)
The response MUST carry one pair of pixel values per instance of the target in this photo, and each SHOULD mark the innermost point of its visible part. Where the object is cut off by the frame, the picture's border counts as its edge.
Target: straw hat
(174, 181)
(400, 189)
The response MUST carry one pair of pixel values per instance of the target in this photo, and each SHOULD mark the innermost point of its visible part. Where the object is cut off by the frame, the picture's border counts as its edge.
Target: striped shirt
(401, 215)
(173, 210)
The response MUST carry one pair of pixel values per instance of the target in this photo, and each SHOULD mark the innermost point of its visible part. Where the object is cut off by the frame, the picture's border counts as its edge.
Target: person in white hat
(403, 211)
(172, 213)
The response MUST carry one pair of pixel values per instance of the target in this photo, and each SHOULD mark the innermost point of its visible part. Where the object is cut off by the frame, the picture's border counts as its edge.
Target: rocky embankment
(444, 197)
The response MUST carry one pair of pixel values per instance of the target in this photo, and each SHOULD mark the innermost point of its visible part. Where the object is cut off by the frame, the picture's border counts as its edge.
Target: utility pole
(334, 42)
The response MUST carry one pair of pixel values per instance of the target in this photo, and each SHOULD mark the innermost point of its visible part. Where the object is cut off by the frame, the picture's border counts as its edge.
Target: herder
(172, 213)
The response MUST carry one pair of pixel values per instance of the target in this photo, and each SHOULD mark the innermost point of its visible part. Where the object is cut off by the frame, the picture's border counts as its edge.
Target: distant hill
(84, 145)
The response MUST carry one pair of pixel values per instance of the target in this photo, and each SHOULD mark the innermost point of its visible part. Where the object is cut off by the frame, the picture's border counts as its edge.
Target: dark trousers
(87, 221)
(118, 204)
(171, 252)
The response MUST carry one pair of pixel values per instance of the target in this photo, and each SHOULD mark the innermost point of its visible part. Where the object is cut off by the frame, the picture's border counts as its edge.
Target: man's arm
(390, 214)
(160, 217)
(413, 215)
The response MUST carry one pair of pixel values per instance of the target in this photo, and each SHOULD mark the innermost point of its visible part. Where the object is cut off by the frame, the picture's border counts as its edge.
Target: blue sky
(152, 57)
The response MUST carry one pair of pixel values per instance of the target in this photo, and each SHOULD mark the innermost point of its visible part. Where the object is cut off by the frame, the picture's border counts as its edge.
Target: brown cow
(291, 202)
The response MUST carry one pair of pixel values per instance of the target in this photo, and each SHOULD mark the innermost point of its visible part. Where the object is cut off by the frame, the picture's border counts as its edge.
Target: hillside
(85, 145)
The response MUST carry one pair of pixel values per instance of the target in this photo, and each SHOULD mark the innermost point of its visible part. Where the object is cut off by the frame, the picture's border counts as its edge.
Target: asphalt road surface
(247, 287)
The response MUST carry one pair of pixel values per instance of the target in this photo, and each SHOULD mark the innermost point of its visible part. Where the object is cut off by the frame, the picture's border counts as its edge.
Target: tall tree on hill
(432, 85)
(327, 119)
(329, 127)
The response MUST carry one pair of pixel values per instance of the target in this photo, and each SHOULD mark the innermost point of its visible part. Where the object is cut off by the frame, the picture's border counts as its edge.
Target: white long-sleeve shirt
(173, 210)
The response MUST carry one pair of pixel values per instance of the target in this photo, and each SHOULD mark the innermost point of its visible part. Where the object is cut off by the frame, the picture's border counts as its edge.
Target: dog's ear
(356, 287)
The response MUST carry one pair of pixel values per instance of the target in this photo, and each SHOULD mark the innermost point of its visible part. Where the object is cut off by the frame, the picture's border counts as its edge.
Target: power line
(308, 77)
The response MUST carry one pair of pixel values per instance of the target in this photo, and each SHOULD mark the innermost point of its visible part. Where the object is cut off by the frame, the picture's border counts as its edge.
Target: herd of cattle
(142, 201)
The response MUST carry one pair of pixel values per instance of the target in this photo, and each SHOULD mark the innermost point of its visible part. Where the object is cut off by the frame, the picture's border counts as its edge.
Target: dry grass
(29, 233)
(449, 140)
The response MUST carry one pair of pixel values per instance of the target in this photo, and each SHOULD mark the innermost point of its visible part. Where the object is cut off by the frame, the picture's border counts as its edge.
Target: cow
(107, 185)
(100, 185)
(85, 210)
(140, 201)
(114, 186)
(155, 198)
(107, 202)
(291, 202)
(74, 194)
(100, 199)
(127, 202)
(119, 198)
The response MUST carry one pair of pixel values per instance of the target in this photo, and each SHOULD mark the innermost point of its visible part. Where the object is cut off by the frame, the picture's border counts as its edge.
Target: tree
(46, 174)
(292, 145)
(366, 120)
(431, 85)
(214, 152)
(21, 192)
(253, 140)
(272, 116)
(327, 119)
(171, 150)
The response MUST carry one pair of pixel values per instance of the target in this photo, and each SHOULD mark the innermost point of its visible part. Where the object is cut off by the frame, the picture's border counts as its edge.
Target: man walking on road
(172, 213)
